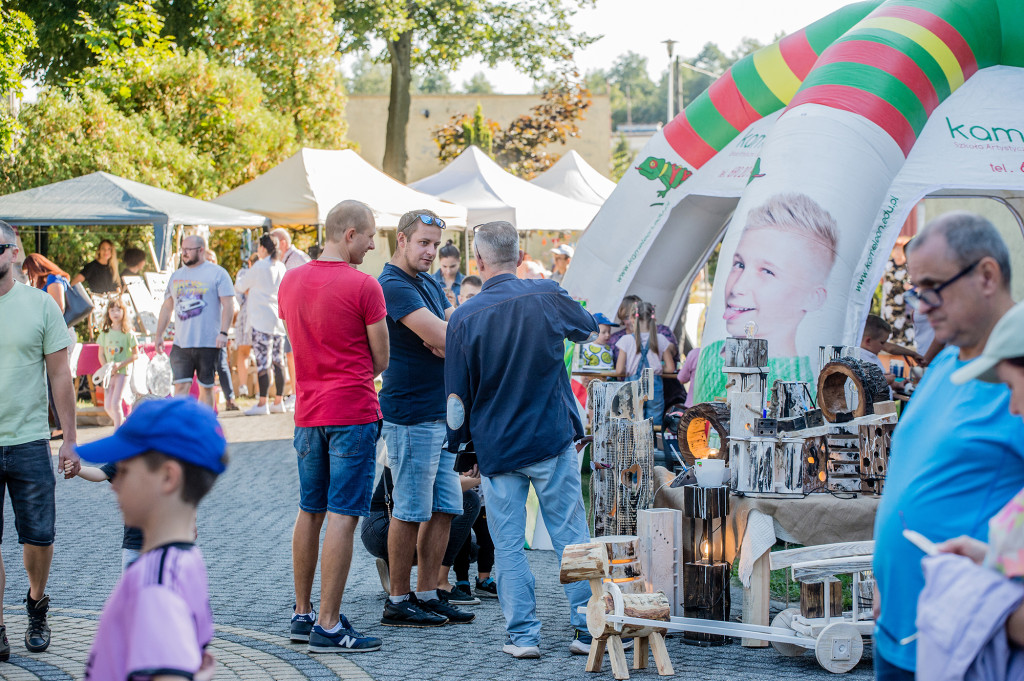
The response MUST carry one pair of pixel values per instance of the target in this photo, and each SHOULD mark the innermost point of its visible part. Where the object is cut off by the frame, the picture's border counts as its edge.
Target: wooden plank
(595, 659)
(640, 653)
(790, 557)
(756, 600)
(660, 532)
(661, 658)
(828, 568)
(618, 658)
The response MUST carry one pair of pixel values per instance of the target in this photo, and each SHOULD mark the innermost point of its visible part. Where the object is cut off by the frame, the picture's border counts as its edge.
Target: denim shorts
(26, 470)
(199, 361)
(336, 465)
(423, 471)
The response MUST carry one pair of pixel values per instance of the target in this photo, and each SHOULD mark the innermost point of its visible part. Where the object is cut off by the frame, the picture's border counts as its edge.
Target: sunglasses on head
(4, 247)
(431, 220)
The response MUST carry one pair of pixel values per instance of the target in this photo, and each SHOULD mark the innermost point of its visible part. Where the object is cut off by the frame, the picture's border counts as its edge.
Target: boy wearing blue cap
(597, 356)
(157, 622)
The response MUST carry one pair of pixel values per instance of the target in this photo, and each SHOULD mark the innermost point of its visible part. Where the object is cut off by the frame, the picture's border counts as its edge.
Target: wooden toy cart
(819, 624)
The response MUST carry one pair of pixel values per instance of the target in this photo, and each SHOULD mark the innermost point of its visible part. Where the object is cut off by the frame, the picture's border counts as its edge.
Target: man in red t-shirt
(336, 319)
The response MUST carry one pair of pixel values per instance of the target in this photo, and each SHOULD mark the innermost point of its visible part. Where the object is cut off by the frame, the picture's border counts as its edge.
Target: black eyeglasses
(932, 297)
(4, 247)
(431, 220)
(191, 248)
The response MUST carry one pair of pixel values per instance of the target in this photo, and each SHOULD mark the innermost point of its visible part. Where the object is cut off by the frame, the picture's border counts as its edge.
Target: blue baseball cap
(601, 319)
(179, 427)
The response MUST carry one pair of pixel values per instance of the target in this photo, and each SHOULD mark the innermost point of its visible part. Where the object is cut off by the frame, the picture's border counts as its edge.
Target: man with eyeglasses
(33, 345)
(957, 455)
(201, 296)
(426, 492)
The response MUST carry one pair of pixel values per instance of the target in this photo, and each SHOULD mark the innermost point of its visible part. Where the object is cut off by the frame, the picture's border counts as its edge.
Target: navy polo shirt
(413, 390)
(505, 375)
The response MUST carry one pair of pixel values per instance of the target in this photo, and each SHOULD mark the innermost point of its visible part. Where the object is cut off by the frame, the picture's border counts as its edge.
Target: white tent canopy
(306, 186)
(490, 193)
(574, 178)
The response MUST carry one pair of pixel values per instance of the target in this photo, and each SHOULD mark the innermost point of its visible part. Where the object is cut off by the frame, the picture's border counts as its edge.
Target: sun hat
(564, 249)
(178, 427)
(1005, 342)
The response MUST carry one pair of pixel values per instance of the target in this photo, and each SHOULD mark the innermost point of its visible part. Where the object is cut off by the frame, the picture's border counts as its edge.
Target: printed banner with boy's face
(794, 241)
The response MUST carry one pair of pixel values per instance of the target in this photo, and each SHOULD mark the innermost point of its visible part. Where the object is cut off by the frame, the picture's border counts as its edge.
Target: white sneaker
(243, 391)
(289, 402)
(521, 652)
(278, 408)
(258, 410)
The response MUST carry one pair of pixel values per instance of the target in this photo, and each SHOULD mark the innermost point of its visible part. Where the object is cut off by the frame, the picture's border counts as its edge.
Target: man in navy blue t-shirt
(427, 493)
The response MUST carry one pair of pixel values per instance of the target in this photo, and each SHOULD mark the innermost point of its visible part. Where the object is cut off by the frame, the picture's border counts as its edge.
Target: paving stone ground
(245, 533)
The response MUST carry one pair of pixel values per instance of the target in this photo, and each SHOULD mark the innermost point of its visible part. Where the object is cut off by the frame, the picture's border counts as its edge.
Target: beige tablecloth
(755, 524)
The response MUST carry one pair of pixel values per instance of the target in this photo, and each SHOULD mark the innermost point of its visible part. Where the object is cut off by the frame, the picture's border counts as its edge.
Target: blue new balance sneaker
(345, 640)
(301, 626)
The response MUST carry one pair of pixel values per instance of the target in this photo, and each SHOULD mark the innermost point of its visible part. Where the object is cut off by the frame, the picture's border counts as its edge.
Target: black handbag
(77, 304)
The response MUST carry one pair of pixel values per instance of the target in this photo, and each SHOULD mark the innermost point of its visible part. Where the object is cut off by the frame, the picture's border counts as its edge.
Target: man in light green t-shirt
(33, 344)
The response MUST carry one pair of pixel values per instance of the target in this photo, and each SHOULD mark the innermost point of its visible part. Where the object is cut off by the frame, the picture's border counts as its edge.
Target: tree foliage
(17, 35)
(521, 148)
(292, 48)
(151, 113)
(478, 85)
(61, 52)
(441, 34)
(622, 157)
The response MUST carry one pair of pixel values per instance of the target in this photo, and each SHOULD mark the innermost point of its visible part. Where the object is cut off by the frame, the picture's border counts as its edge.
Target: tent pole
(999, 199)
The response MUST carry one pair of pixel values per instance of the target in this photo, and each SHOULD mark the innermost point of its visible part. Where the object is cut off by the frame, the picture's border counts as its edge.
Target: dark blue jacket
(505, 375)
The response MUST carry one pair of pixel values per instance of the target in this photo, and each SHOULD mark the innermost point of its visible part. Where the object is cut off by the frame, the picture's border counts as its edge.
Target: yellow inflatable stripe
(775, 73)
(939, 51)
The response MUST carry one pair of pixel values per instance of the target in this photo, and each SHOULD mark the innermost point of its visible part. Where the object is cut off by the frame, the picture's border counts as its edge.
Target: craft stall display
(622, 457)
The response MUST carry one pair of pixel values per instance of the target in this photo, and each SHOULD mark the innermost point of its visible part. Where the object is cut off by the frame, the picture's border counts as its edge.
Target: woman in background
(448, 274)
(101, 275)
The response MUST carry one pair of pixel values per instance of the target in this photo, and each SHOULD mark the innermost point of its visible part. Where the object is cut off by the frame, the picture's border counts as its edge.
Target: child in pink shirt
(157, 622)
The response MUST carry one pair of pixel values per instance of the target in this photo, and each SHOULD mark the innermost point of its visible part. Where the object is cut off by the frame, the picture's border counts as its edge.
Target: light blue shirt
(957, 457)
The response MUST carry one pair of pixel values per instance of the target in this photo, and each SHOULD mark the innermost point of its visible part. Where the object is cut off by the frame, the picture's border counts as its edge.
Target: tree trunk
(395, 156)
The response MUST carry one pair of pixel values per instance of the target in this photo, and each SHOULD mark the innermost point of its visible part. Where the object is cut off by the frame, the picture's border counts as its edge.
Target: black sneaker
(442, 607)
(5, 646)
(459, 595)
(408, 613)
(486, 588)
(301, 625)
(37, 636)
(347, 640)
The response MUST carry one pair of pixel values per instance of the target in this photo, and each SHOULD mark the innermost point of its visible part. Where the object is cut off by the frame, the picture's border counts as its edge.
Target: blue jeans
(336, 465)
(26, 470)
(887, 671)
(423, 471)
(557, 482)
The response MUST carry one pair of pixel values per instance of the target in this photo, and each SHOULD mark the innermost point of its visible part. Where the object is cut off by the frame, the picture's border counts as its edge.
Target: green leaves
(16, 36)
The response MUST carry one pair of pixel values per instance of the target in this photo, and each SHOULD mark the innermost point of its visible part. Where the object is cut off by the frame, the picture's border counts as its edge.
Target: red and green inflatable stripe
(892, 62)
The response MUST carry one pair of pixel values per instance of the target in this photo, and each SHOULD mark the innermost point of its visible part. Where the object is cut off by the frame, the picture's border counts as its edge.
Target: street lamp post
(671, 77)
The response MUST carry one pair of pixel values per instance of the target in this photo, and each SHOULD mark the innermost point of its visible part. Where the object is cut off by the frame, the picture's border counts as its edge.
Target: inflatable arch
(808, 155)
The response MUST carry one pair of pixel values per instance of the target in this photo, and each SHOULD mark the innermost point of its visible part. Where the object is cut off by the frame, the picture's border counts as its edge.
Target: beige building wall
(367, 117)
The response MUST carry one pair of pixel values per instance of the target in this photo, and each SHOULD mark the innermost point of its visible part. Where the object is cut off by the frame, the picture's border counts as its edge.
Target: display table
(755, 524)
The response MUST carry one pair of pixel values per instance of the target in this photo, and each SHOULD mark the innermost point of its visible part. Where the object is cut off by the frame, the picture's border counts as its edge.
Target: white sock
(399, 599)
(426, 595)
(335, 629)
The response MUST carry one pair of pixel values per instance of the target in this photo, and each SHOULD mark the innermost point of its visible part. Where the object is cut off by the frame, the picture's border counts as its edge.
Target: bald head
(348, 215)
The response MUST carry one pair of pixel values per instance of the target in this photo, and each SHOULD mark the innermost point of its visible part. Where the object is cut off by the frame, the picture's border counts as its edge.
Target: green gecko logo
(755, 172)
(670, 174)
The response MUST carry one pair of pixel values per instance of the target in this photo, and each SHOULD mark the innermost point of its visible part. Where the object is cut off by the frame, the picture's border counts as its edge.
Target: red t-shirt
(327, 307)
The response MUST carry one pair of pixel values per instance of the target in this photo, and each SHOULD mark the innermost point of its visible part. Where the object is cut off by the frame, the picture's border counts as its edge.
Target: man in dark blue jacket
(509, 392)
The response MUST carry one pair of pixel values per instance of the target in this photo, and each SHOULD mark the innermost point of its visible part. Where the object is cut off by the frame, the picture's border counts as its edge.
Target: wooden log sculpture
(815, 458)
(874, 456)
(591, 562)
(790, 399)
(867, 382)
(693, 428)
(745, 353)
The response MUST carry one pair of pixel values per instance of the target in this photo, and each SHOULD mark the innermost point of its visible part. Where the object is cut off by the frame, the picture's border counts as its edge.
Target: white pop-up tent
(306, 186)
(103, 199)
(490, 193)
(573, 177)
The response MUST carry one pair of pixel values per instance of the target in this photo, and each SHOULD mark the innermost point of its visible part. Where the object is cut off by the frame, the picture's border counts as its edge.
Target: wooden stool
(590, 562)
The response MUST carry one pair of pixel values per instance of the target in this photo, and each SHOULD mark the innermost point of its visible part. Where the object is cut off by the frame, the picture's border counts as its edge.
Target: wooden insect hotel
(622, 457)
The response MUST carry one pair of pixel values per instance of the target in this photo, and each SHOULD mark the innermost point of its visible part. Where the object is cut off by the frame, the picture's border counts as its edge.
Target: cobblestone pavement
(245, 532)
